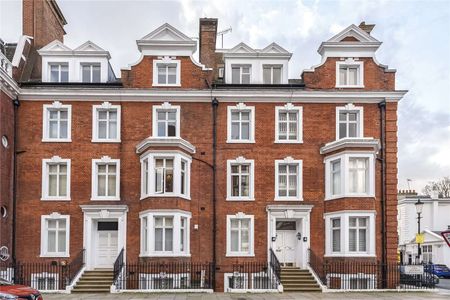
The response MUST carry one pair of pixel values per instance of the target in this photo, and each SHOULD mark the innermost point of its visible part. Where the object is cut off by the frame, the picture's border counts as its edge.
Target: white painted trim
(241, 107)
(45, 178)
(299, 163)
(251, 248)
(177, 157)
(350, 108)
(241, 160)
(344, 158)
(106, 106)
(94, 185)
(166, 60)
(176, 215)
(150, 142)
(344, 216)
(166, 106)
(75, 280)
(44, 235)
(56, 105)
(372, 145)
(289, 107)
(350, 62)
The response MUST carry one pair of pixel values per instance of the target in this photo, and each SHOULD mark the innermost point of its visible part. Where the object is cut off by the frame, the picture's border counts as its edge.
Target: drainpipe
(16, 104)
(382, 106)
(215, 105)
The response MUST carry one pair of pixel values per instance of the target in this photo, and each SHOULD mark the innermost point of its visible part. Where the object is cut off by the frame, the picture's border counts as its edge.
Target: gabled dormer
(166, 54)
(351, 54)
(246, 65)
(87, 63)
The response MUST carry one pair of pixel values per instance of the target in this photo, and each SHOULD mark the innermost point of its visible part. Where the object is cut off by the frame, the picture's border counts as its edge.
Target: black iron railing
(118, 265)
(76, 265)
(39, 275)
(368, 275)
(275, 265)
(253, 276)
(167, 276)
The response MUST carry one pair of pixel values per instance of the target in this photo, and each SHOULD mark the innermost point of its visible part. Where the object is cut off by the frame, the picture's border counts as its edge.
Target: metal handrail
(76, 265)
(118, 265)
(275, 265)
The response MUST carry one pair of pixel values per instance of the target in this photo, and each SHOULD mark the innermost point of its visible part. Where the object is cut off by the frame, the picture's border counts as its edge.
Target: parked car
(442, 271)
(9, 290)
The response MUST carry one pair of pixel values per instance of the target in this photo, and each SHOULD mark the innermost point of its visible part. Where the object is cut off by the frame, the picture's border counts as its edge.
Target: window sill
(240, 141)
(64, 255)
(240, 199)
(287, 199)
(240, 254)
(350, 255)
(55, 199)
(350, 196)
(165, 196)
(105, 141)
(167, 85)
(288, 142)
(155, 254)
(349, 86)
(56, 140)
(105, 199)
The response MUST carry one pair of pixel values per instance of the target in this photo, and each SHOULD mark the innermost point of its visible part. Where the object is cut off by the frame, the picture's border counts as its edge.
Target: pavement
(444, 284)
(441, 294)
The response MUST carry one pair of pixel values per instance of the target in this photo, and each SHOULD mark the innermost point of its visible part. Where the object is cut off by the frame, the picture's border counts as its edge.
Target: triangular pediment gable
(429, 237)
(166, 32)
(353, 32)
(242, 48)
(89, 46)
(274, 48)
(55, 46)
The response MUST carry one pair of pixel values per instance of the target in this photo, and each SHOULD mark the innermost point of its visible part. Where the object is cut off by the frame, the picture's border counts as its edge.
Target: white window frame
(56, 105)
(45, 178)
(350, 63)
(105, 106)
(287, 108)
(241, 107)
(290, 161)
(150, 215)
(166, 61)
(95, 163)
(345, 236)
(351, 108)
(91, 71)
(166, 106)
(251, 248)
(59, 64)
(241, 66)
(241, 160)
(36, 276)
(177, 157)
(271, 67)
(344, 157)
(44, 235)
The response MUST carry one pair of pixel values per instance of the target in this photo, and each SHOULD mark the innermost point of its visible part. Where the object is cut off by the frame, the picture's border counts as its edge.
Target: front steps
(298, 280)
(97, 281)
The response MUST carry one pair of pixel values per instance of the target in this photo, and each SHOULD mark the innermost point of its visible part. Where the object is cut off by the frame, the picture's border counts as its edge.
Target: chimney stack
(366, 27)
(207, 41)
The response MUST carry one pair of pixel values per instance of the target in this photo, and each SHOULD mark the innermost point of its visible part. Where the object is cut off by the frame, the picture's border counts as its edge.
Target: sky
(415, 36)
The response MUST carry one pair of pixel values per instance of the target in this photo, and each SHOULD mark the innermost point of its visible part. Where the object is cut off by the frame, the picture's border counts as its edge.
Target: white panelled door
(107, 245)
(286, 242)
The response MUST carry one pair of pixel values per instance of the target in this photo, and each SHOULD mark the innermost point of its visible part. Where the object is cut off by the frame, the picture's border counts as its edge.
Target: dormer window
(272, 74)
(90, 73)
(166, 72)
(240, 74)
(349, 74)
(59, 72)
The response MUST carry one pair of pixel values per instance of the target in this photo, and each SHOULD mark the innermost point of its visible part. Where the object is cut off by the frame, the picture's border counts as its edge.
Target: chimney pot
(366, 27)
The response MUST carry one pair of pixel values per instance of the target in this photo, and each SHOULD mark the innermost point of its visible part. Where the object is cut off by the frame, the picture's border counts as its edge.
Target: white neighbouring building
(435, 219)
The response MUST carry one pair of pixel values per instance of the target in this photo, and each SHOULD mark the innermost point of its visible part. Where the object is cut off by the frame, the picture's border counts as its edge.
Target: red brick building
(225, 160)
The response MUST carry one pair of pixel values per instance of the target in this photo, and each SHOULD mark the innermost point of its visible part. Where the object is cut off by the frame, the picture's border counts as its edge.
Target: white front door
(286, 242)
(107, 245)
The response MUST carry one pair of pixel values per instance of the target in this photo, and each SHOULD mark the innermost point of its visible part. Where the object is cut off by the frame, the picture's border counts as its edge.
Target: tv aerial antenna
(223, 32)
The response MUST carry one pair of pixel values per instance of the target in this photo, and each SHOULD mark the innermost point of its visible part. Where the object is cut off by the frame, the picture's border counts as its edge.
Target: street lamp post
(419, 207)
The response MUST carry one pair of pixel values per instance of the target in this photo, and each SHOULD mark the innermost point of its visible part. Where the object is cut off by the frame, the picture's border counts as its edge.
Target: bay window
(165, 233)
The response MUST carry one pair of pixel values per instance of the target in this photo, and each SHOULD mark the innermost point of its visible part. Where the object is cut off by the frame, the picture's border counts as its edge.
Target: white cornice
(369, 143)
(225, 95)
(8, 85)
(165, 142)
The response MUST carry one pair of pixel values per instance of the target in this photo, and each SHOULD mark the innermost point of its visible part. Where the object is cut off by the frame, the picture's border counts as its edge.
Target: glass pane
(245, 168)
(158, 238)
(286, 225)
(235, 186)
(283, 116)
(235, 75)
(245, 70)
(342, 130)
(234, 223)
(53, 129)
(102, 114)
(62, 241)
(52, 185)
(362, 239)
(234, 241)
(113, 114)
(159, 221)
(63, 129)
(51, 224)
(171, 128)
(169, 181)
(235, 168)
(161, 79)
(96, 73)
(245, 185)
(245, 241)
(336, 240)
(336, 223)
(161, 129)
(172, 115)
(112, 185)
(162, 115)
(169, 239)
(158, 180)
(235, 131)
(362, 222)
(342, 116)
(102, 129)
(63, 185)
(172, 70)
(267, 75)
(63, 168)
(245, 115)
(235, 116)
(352, 240)
(169, 163)
(282, 169)
(353, 76)
(101, 189)
(352, 116)
(343, 76)
(86, 73)
(245, 78)
(51, 242)
(111, 169)
(352, 130)
(352, 222)
(113, 130)
(245, 131)
(64, 74)
(172, 79)
(276, 75)
(54, 73)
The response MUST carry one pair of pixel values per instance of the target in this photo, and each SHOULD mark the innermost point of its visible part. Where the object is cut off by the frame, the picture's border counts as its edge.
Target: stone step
(302, 289)
(98, 276)
(94, 283)
(91, 290)
(300, 280)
